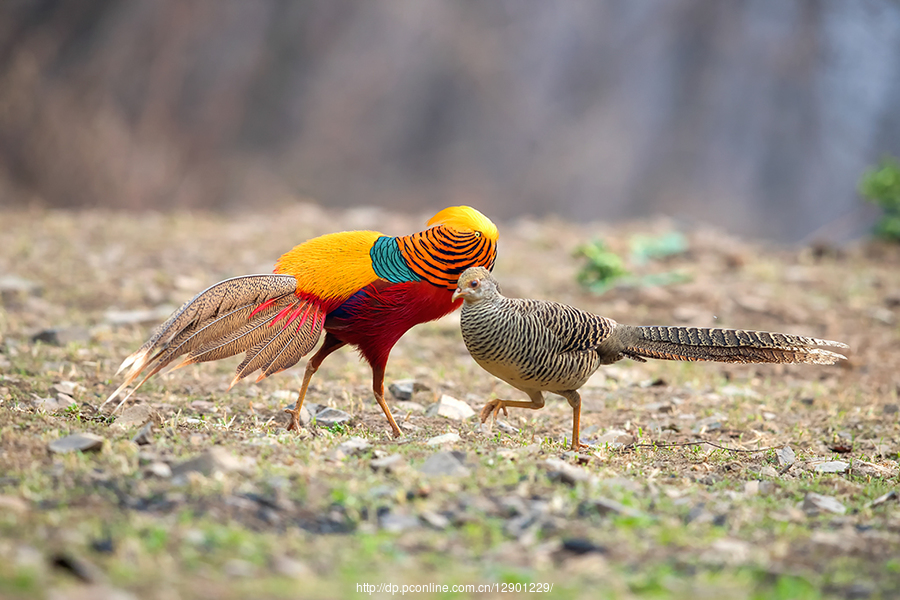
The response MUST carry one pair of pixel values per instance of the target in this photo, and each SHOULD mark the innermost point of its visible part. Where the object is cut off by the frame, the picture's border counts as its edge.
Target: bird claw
(294, 425)
(491, 409)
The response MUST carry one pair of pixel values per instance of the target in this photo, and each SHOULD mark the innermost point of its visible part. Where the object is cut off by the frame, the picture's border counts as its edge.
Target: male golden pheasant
(537, 346)
(363, 288)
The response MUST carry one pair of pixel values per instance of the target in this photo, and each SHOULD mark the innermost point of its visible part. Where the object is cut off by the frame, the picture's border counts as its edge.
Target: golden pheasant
(537, 346)
(362, 288)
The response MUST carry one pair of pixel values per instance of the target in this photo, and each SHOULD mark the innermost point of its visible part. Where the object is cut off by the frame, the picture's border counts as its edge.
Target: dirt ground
(153, 512)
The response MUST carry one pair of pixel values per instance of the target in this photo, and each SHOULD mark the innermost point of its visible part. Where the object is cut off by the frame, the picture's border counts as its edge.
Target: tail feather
(724, 345)
(228, 318)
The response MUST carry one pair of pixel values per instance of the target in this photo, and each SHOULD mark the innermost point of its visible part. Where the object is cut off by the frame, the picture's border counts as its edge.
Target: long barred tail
(724, 345)
(257, 314)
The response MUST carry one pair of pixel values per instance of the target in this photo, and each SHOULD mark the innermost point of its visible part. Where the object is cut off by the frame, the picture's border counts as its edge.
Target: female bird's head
(476, 284)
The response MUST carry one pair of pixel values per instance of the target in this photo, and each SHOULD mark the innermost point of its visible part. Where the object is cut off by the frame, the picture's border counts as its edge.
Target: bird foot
(294, 425)
(491, 409)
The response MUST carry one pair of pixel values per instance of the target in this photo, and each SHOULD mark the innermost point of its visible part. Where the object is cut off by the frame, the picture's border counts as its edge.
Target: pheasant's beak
(457, 295)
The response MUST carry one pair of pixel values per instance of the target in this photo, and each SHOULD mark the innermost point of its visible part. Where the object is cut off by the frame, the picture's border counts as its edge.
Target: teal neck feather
(388, 262)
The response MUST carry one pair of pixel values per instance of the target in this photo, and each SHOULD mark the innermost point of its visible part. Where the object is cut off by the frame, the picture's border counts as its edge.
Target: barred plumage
(539, 346)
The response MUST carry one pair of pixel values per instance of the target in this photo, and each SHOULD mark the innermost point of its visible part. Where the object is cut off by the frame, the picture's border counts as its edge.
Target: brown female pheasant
(538, 346)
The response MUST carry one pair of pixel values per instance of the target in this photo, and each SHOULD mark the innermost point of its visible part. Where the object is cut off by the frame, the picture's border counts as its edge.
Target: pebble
(355, 445)
(614, 439)
(447, 438)
(158, 469)
(785, 456)
(605, 506)
(450, 408)
(83, 442)
(214, 460)
(69, 388)
(560, 470)
(434, 520)
(389, 464)
(832, 466)
(404, 389)
(134, 415)
(328, 417)
(814, 503)
(445, 463)
(142, 437)
(891, 495)
(62, 336)
(397, 522)
(51, 405)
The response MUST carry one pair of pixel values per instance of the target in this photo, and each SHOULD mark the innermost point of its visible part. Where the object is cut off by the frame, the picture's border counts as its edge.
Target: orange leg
(330, 344)
(492, 408)
(378, 388)
(574, 399)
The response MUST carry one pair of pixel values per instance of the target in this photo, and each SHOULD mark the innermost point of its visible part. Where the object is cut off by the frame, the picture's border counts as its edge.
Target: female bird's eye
(473, 284)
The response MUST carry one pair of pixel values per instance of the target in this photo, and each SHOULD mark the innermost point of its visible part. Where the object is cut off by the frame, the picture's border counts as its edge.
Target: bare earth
(272, 514)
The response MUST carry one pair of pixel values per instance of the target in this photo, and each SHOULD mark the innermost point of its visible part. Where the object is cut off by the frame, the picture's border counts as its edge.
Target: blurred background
(758, 116)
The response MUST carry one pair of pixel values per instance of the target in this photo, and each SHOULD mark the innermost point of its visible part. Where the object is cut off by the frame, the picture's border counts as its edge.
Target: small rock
(831, 466)
(134, 415)
(581, 546)
(397, 522)
(444, 463)
(12, 504)
(69, 388)
(450, 408)
(62, 336)
(390, 463)
(77, 442)
(214, 460)
(814, 503)
(434, 520)
(785, 456)
(891, 409)
(158, 469)
(447, 438)
(768, 471)
(52, 405)
(142, 437)
(560, 470)
(727, 551)
(505, 427)
(404, 389)
(328, 417)
(605, 506)
(13, 285)
(890, 496)
(615, 439)
(290, 567)
(355, 445)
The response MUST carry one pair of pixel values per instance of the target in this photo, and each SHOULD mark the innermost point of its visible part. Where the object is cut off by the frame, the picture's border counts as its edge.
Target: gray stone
(832, 466)
(134, 416)
(77, 442)
(615, 439)
(214, 460)
(890, 496)
(13, 285)
(69, 388)
(785, 456)
(814, 503)
(390, 463)
(434, 520)
(768, 471)
(355, 445)
(404, 389)
(51, 405)
(328, 417)
(444, 463)
(142, 437)
(447, 438)
(397, 522)
(158, 469)
(605, 506)
(560, 470)
(450, 408)
(62, 336)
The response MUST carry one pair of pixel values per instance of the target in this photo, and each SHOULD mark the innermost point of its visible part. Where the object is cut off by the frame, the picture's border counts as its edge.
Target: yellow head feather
(465, 218)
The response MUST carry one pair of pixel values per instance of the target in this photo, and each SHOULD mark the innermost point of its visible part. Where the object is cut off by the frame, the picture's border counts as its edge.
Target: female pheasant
(363, 288)
(539, 346)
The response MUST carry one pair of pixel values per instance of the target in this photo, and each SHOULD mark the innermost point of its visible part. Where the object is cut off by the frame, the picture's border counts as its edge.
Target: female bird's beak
(457, 295)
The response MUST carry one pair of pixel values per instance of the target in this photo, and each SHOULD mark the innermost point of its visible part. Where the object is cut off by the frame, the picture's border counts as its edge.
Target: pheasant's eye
(473, 284)
(477, 234)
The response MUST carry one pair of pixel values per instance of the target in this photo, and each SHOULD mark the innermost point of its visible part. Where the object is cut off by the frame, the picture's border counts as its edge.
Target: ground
(275, 514)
